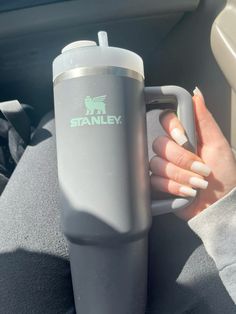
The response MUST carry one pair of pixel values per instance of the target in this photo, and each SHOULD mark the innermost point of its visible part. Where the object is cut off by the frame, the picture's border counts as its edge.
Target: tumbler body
(104, 183)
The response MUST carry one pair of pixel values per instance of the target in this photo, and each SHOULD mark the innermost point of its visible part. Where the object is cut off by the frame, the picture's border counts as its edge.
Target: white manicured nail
(187, 191)
(197, 92)
(198, 183)
(178, 136)
(200, 168)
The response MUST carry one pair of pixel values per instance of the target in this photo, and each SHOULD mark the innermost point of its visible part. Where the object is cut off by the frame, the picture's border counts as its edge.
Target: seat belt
(15, 133)
(15, 114)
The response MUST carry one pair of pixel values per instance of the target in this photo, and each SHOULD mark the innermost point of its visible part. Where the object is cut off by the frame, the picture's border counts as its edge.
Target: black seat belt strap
(15, 114)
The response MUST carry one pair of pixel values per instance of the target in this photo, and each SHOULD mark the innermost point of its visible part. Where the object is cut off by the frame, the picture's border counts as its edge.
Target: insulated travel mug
(100, 106)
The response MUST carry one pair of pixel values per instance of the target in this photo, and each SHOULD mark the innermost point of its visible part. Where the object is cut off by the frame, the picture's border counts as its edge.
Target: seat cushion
(34, 261)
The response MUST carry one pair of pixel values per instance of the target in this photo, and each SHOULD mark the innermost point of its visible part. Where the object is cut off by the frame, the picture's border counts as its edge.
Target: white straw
(102, 39)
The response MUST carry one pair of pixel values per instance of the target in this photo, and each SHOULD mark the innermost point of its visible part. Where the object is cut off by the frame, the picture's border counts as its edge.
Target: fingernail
(200, 168)
(197, 92)
(178, 136)
(198, 183)
(187, 191)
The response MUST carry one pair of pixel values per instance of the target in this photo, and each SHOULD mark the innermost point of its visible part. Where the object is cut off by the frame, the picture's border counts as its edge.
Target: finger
(173, 127)
(172, 187)
(169, 150)
(207, 128)
(163, 168)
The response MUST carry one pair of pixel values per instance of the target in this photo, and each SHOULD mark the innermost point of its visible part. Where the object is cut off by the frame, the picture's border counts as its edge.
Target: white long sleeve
(216, 226)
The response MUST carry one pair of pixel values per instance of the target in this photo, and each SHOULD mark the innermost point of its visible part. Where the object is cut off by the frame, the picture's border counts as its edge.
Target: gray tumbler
(103, 171)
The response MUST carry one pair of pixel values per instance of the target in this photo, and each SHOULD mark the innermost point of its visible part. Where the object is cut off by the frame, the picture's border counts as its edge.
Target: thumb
(207, 128)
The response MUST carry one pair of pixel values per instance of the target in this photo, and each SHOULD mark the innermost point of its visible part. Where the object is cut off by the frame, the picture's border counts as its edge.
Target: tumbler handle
(183, 100)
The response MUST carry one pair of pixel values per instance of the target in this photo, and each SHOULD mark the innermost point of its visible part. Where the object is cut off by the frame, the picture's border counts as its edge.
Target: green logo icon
(95, 114)
(95, 105)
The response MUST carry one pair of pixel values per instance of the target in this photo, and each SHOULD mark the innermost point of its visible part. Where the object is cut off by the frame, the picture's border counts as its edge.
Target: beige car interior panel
(233, 121)
(223, 43)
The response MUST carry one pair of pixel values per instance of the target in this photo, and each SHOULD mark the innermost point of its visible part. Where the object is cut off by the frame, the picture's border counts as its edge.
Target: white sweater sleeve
(216, 226)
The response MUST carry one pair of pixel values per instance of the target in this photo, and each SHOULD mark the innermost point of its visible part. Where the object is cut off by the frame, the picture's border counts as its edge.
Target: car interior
(182, 42)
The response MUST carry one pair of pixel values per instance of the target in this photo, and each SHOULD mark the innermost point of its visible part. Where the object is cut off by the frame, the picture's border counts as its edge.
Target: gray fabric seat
(34, 263)
(34, 266)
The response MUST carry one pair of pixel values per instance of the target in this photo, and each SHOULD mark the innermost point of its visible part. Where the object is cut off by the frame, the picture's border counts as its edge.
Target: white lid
(86, 53)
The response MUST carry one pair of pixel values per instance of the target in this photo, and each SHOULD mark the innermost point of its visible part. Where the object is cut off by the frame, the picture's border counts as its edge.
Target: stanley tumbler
(103, 171)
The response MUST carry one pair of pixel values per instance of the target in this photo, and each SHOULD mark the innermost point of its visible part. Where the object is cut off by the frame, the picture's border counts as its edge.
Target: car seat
(34, 261)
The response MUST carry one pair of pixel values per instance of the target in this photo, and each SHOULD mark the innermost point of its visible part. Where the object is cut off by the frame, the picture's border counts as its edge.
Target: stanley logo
(95, 114)
(95, 105)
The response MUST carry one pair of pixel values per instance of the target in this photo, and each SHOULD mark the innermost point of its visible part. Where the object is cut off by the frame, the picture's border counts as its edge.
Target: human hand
(180, 172)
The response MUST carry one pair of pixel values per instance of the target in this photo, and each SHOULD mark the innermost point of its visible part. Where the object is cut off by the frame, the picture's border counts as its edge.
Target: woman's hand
(180, 172)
